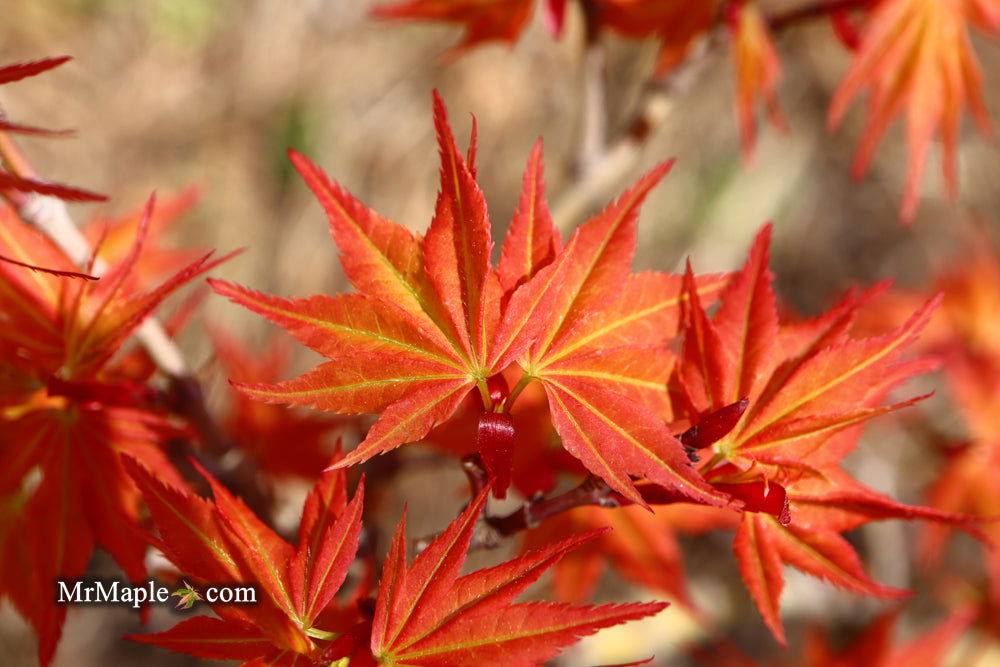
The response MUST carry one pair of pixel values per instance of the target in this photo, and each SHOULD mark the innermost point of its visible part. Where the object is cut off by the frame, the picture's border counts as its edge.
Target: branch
(816, 10)
(591, 491)
(594, 102)
(604, 173)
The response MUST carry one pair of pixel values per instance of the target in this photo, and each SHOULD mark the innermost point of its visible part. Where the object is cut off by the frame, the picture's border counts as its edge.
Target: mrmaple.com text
(97, 591)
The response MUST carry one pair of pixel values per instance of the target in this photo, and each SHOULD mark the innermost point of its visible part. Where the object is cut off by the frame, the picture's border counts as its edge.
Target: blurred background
(163, 94)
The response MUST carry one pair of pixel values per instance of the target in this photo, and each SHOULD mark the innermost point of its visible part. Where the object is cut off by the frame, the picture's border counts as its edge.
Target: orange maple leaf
(61, 415)
(916, 59)
(757, 70)
(433, 319)
(809, 387)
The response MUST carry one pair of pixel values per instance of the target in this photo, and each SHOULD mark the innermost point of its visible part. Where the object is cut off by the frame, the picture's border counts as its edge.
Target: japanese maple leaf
(426, 614)
(757, 69)
(964, 335)
(12, 183)
(432, 319)
(916, 59)
(821, 510)
(63, 424)
(874, 646)
(966, 481)
(422, 329)
(187, 596)
(599, 351)
(282, 441)
(114, 237)
(222, 541)
(809, 386)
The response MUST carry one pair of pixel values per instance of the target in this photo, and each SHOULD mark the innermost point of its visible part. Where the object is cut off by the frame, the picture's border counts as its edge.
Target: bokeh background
(167, 93)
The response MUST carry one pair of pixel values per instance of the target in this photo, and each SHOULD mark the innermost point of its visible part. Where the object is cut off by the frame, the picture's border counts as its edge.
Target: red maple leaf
(63, 423)
(424, 613)
(809, 387)
(916, 59)
(223, 542)
(282, 441)
(432, 320)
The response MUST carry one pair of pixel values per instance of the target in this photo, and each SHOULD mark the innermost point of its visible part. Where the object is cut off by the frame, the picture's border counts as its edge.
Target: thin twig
(596, 183)
(812, 11)
(602, 172)
(594, 102)
(591, 491)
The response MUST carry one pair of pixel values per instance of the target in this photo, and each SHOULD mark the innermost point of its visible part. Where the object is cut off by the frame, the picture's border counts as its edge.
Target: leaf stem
(716, 459)
(484, 394)
(316, 633)
(508, 402)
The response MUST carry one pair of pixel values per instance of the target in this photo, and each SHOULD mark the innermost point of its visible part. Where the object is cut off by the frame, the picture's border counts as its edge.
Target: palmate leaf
(822, 508)
(915, 57)
(598, 360)
(433, 319)
(223, 541)
(67, 421)
(805, 383)
(282, 441)
(427, 615)
(807, 388)
(84, 498)
(424, 328)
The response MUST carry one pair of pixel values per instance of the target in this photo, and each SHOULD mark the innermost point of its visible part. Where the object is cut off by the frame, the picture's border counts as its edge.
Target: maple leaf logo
(188, 596)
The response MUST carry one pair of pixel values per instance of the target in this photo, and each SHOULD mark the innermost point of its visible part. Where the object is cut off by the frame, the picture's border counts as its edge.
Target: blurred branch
(812, 11)
(492, 530)
(601, 166)
(594, 102)
(604, 171)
